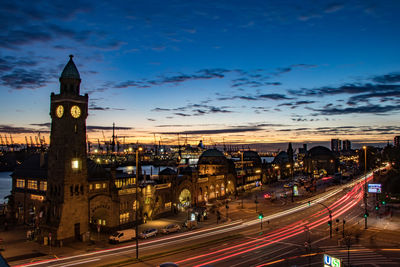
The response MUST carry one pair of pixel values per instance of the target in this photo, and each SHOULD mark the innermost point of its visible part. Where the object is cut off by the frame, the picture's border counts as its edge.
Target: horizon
(262, 74)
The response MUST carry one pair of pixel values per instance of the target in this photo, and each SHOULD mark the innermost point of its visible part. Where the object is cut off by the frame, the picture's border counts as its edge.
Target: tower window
(75, 164)
(71, 189)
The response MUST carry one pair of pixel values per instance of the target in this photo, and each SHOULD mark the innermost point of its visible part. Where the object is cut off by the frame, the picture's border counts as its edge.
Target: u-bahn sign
(330, 261)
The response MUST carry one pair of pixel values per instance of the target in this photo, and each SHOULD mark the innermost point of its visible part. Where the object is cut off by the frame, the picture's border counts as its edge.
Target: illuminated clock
(60, 111)
(75, 111)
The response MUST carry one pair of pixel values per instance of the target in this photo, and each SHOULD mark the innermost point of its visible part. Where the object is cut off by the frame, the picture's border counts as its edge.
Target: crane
(27, 144)
(37, 141)
(32, 144)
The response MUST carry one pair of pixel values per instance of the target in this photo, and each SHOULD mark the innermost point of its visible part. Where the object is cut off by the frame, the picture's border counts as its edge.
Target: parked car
(121, 236)
(288, 185)
(170, 228)
(148, 233)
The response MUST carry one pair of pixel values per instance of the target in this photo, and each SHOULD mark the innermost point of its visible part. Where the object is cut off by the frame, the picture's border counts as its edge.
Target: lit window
(90, 187)
(124, 217)
(32, 184)
(98, 186)
(75, 164)
(43, 185)
(20, 183)
(104, 185)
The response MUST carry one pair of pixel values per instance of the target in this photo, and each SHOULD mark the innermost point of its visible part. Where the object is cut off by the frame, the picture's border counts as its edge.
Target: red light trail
(339, 207)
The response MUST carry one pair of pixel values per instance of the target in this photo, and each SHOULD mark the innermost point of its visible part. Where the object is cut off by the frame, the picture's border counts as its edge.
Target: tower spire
(70, 79)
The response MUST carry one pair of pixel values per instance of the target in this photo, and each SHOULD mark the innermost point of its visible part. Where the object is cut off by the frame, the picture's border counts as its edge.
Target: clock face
(60, 111)
(75, 111)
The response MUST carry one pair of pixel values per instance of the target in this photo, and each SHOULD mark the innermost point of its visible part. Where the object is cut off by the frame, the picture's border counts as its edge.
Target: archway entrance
(100, 217)
(185, 199)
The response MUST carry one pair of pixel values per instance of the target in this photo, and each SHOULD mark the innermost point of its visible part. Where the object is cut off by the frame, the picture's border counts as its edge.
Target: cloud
(96, 107)
(182, 114)
(24, 79)
(195, 110)
(8, 63)
(383, 95)
(93, 128)
(274, 96)
(45, 124)
(256, 97)
(334, 7)
(10, 129)
(217, 131)
(387, 78)
(203, 74)
(345, 130)
(344, 89)
(160, 109)
(369, 109)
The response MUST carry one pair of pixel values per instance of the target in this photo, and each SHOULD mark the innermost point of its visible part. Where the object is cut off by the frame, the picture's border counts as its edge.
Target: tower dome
(70, 79)
(70, 70)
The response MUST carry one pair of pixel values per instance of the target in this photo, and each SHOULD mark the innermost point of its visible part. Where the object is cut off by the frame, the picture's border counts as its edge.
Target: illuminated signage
(162, 186)
(37, 197)
(374, 188)
(330, 261)
(295, 190)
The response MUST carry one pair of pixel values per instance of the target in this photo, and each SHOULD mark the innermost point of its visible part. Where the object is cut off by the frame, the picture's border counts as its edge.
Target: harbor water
(5, 186)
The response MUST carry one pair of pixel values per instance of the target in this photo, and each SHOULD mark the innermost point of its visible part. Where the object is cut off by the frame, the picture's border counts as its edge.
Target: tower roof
(70, 70)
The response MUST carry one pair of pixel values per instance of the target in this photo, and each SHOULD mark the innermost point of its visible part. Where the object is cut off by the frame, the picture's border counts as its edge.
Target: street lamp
(136, 206)
(365, 187)
(241, 154)
(330, 217)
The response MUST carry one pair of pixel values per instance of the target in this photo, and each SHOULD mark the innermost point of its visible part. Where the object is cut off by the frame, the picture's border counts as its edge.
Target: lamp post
(241, 154)
(365, 188)
(136, 206)
(330, 217)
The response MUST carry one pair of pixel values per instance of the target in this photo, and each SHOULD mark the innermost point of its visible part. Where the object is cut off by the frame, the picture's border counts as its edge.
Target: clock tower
(67, 194)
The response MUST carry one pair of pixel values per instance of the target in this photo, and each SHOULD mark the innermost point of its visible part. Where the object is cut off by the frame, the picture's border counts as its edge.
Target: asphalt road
(299, 235)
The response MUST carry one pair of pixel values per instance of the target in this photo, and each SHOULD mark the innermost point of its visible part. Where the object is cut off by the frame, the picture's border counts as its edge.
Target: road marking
(75, 262)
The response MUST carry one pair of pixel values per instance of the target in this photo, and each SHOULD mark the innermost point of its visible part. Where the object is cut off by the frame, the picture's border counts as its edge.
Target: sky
(252, 72)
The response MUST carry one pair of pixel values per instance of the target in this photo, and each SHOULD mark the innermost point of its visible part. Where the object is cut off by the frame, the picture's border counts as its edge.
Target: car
(148, 233)
(123, 235)
(170, 228)
(288, 185)
(267, 196)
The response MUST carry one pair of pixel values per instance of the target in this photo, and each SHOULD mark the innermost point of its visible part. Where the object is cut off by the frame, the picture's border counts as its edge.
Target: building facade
(65, 195)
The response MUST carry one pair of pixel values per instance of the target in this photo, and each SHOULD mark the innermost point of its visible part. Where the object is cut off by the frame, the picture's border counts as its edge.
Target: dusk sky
(221, 71)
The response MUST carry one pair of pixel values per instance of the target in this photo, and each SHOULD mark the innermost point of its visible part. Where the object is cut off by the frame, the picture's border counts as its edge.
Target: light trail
(184, 237)
(339, 207)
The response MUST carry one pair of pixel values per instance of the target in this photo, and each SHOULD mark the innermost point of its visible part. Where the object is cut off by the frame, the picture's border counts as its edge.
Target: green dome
(70, 70)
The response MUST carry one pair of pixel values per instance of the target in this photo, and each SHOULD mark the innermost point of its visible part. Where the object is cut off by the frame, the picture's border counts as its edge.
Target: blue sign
(374, 188)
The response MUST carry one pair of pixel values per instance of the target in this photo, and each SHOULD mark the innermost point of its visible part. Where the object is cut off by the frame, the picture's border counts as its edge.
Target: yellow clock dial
(75, 112)
(60, 111)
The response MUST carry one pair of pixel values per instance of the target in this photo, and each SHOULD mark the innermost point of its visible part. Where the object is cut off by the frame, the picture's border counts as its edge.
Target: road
(245, 243)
